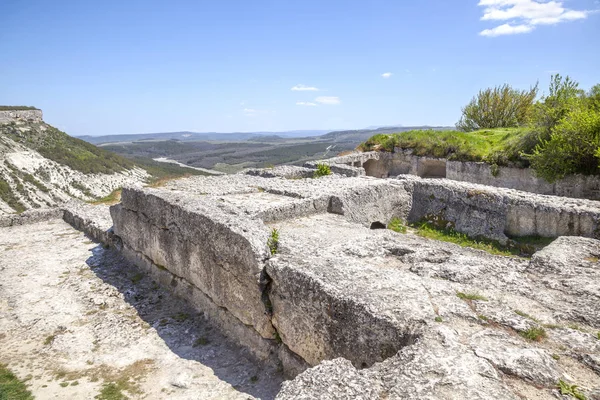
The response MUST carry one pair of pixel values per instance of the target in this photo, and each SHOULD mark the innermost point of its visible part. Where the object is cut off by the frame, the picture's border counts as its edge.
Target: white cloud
(386, 75)
(306, 103)
(506, 29)
(304, 88)
(522, 16)
(328, 100)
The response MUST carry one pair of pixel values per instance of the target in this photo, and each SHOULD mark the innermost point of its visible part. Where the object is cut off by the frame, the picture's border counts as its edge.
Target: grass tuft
(535, 334)
(470, 296)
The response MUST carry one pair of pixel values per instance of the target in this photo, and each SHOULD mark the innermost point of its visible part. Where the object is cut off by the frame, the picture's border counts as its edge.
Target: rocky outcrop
(8, 116)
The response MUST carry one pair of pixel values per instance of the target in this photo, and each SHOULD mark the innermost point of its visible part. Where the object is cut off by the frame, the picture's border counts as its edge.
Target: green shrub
(322, 170)
(573, 147)
(498, 107)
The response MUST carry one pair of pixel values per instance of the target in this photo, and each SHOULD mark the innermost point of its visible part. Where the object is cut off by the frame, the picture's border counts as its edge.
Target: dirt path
(78, 321)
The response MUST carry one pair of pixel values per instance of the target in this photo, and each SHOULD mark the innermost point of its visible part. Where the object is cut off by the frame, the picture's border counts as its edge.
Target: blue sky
(154, 66)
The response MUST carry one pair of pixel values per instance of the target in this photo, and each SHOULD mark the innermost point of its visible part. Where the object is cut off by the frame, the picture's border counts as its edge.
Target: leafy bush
(498, 107)
(322, 170)
(573, 147)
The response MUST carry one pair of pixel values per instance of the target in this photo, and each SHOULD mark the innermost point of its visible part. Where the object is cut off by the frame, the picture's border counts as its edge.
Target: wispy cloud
(523, 16)
(304, 88)
(306, 103)
(386, 75)
(506, 29)
(328, 100)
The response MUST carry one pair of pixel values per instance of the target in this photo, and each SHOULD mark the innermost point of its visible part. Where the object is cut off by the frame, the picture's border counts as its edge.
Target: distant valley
(232, 152)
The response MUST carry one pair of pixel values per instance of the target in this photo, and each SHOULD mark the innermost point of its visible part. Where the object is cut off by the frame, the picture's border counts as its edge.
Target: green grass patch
(112, 391)
(470, 296)
(450, 235)
(441, 230)
(496, 146)
(397, 225)
(11, 388)
(535, 334)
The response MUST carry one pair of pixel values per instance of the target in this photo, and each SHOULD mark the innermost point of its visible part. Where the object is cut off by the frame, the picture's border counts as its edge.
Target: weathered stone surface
(386, 302)
(510, 356)
(282, 171)
(493, 213)
(220, 253)
(437, 367)
(30, 217)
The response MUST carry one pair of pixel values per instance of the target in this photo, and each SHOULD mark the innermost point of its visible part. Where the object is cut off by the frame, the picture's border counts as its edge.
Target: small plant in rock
(483, 318)
(181, 317)
(201, 341)
(470, 296)
(570, 390)
(49, 339)
(397, 225)
(273, 241)
(598, 335)
(322, 170)
(525, 315)
(438, 319)
(535, 334)
(556, 356)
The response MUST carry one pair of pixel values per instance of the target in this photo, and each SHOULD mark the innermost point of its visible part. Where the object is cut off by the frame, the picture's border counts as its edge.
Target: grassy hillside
(500, 146)
(83, 156)
(64, 149)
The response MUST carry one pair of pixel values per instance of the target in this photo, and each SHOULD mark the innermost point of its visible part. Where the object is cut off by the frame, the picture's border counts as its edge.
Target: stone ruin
(350, 311)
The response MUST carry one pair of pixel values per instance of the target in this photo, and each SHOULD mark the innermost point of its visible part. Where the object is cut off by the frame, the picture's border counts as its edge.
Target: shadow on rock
(184, 329)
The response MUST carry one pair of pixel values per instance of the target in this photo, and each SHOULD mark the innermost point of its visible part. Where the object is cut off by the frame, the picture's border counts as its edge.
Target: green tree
(564, 96)
(498, 107)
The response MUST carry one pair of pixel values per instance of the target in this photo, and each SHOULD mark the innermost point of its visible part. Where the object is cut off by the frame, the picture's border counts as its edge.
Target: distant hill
(186, 136)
